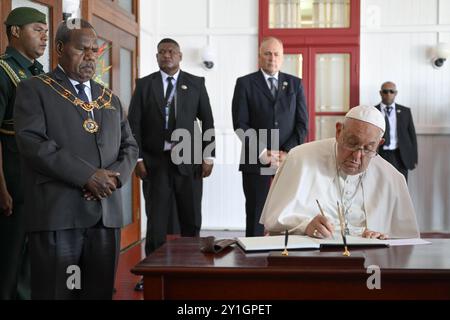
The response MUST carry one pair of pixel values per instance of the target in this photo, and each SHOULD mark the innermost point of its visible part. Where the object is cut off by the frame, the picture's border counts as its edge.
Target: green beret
(24, 15)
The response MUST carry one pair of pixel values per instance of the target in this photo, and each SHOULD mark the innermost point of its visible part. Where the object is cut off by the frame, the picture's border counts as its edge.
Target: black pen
(344, 237)
(286, 237)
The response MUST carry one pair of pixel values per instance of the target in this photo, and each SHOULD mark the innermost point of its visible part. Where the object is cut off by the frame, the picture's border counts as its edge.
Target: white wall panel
(402, 12)
(233, 14)
(231, 64)
(404, 59)
(179, 14)
(444, 12)
(430, 183)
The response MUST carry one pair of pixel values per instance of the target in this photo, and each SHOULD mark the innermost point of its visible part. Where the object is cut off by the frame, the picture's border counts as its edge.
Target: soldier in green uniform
(26, 30)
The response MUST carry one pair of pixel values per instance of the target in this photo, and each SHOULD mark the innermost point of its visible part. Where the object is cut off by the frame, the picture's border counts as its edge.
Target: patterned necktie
(83, 96)
(387, 132)
(169, 111)
(81, 93)
(273, 86)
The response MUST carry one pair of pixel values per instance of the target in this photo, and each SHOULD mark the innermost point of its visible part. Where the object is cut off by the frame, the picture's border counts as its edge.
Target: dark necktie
(387, 132)
(169, 111)
(83, 96)
(273, 86)
(81, 93)
(169, 88)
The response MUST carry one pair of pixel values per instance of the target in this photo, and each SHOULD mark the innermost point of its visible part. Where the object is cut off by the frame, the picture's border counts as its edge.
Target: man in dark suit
(165, 104)
(270, 117)
(77, 150)
(26, 30)
(400, 145)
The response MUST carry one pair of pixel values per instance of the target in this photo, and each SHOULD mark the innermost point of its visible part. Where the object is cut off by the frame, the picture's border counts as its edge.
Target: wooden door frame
(110, 13)
(129, 23)
(55, 12)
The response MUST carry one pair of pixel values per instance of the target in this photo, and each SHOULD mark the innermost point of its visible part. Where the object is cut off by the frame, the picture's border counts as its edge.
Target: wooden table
(178, 270)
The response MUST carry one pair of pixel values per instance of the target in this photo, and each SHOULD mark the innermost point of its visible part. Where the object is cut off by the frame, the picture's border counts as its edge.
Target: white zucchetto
(367, 114)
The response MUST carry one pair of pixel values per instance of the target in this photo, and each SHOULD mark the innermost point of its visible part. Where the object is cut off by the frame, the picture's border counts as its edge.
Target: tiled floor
(125, 280)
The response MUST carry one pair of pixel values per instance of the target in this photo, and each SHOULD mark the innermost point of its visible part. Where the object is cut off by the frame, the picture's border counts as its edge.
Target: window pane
(127, 5)
(126, 83)
(326, 126)
(332, 82)
(126, 76)
(45, 59)
(286, 14)
(293, 64)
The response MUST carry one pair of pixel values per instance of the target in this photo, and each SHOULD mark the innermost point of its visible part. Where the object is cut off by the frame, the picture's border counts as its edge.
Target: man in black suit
(400, 146)
(270, 117)
(166, 104)
(77, 150)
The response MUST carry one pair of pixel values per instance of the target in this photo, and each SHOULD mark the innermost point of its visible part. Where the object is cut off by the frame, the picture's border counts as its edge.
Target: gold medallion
(90, 126)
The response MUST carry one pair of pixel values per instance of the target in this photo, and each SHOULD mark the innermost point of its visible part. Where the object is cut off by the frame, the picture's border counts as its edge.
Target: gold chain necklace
(103, 101)
(90, 125)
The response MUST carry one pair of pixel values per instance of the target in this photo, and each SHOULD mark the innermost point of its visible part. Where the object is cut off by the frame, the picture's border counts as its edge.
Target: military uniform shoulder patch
(10, 72)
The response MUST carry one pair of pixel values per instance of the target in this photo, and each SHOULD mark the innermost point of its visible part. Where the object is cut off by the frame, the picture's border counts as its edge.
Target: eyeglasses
(386, 91)
(364, 151)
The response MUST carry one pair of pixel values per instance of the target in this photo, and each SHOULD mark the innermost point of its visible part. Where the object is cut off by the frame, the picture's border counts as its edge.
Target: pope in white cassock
(374, 196)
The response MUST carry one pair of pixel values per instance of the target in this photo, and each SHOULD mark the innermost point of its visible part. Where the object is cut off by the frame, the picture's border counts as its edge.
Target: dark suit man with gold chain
(26, 30)
(77, 151)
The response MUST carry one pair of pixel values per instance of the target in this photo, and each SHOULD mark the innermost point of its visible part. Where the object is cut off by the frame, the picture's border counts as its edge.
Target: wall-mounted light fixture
(442, 53)
(208, 57)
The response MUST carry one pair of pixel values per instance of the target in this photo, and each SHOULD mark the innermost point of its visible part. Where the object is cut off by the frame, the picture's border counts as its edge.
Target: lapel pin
(398, 110)
(285, 84)
(184, 87)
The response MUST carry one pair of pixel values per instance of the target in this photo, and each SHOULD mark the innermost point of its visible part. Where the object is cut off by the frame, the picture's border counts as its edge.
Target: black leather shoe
(139, 286)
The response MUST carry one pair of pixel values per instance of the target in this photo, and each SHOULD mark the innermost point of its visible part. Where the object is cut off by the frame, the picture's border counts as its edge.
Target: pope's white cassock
(377, 199)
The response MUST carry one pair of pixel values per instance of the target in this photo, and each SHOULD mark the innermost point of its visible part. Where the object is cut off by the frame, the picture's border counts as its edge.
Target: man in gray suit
(77, 151)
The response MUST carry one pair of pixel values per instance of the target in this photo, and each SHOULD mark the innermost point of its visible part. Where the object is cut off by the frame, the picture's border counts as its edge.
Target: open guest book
(296, 242)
